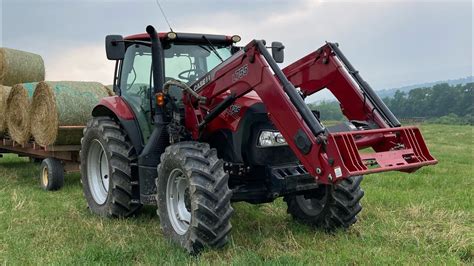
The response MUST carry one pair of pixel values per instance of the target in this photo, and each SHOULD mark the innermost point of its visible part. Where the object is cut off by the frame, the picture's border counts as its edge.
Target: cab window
(136, 71)
(135, 83)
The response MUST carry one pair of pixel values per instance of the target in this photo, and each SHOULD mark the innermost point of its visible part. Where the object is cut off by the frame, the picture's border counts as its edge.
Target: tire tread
(211, 209)
(341, 208)
(123, 201)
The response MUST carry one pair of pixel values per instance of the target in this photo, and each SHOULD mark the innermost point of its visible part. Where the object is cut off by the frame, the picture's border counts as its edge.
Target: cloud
(392, 43)
(84, 63)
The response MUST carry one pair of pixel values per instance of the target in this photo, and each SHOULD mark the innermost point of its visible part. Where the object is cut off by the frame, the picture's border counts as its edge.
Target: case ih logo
(202, 82)
(234, 110)
(240, 73)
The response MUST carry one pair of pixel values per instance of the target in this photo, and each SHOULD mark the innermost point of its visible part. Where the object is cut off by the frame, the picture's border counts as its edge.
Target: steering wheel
(197, 72)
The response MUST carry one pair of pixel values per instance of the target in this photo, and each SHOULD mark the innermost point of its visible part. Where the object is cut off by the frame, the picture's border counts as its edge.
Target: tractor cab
(186, 57)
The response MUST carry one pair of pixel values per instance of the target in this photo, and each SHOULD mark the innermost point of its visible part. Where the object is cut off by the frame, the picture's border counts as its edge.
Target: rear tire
(52, 174)
(332, 207)
(193, 197)
(106, 174)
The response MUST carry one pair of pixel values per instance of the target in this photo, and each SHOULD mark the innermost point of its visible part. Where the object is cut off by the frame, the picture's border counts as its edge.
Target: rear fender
(117, 108)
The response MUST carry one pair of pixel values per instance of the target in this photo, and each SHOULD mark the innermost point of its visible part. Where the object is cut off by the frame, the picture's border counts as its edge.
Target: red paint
(161, 35)
(321, 69)
(118, 106)
(145, 36)
(410, 154)
(230, 119)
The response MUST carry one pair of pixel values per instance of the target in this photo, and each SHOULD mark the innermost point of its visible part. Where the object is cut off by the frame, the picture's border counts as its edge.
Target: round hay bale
(20, 67)
(4, 92)
(18, 112)
(60, 110)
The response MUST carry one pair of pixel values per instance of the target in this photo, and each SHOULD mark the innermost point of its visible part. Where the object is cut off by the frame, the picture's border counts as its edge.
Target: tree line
(440, 103)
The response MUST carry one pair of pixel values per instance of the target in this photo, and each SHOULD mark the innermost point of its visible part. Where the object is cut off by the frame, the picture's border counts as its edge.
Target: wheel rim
(178, 201)
(45, 176)
(315, 205)
(98, 172)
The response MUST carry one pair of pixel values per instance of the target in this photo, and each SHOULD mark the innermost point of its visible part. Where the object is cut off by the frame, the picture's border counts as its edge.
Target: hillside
(391, 92)
(445, 103)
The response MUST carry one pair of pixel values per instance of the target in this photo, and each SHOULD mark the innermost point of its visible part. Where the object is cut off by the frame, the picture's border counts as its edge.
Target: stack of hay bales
(17, 67)
(53, 113)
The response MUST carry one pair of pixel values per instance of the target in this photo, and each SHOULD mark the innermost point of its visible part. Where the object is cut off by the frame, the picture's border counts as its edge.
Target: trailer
(56, 160)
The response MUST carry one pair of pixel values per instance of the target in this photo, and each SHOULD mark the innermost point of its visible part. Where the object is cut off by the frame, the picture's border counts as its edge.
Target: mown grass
(422, 218)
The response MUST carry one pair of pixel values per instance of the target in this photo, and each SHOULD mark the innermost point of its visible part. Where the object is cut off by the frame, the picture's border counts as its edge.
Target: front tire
(330, 207)
(106, 175)
(193, 197)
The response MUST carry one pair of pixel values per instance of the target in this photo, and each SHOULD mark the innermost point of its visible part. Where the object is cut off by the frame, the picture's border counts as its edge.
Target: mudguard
(117, 108)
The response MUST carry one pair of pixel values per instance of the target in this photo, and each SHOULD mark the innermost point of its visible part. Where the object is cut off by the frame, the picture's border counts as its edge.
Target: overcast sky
(392, 43)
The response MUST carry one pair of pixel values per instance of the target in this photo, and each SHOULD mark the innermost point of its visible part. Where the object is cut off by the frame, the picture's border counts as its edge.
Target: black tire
(51, 174)
(122, 191)
(207, 196)
(331, 207)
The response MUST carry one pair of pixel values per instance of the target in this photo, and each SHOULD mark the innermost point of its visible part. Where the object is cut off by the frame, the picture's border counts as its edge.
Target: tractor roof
(186, 37)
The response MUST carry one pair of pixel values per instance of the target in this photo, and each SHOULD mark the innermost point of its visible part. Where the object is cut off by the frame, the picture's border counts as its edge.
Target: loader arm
(328, 157)
(329, 68)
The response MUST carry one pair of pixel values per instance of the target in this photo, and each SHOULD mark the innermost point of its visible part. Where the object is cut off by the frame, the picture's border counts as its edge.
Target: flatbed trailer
(56, 160)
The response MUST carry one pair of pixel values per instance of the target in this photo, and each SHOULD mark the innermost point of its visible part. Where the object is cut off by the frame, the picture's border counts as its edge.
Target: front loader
(199, 122)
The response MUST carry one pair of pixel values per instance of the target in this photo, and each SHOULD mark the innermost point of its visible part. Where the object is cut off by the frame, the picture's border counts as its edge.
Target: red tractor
(199, 122)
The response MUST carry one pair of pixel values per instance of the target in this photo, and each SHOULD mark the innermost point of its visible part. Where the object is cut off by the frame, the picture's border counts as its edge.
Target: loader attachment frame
(328, 157)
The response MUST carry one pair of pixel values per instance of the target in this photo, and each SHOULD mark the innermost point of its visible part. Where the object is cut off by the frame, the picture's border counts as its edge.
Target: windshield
(184, 62)
(189, 62)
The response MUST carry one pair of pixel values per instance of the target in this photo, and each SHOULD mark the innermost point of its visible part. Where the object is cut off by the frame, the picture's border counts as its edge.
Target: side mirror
(114, 47)
(278, 52)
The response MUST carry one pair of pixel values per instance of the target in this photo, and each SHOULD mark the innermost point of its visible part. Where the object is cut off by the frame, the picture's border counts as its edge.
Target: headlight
(271, 138)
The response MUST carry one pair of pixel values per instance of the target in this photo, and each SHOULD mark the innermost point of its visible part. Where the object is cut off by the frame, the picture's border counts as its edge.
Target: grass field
(426, 217)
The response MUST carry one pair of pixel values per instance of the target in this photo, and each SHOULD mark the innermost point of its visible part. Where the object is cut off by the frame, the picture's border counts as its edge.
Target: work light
(236, 38)
(171, 35)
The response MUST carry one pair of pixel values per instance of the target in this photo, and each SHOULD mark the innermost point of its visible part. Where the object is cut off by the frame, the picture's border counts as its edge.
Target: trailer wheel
(331, 207)
(52, 174)
(107, 181)
(193, 197)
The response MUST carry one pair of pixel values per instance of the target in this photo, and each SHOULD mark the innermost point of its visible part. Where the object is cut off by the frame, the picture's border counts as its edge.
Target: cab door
(134, 84)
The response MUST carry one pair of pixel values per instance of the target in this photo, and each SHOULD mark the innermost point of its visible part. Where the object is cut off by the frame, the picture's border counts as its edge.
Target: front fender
(117, 108)
(116, 105)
